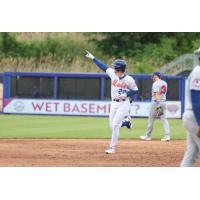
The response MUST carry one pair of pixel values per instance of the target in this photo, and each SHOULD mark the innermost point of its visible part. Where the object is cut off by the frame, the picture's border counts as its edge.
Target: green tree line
(148, 50)
(144, 52)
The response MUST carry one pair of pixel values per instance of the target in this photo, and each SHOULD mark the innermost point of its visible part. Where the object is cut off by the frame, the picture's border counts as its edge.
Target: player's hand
(89, 55)
(159, 111)
(120, 96)
(198, 132)
(123, 96)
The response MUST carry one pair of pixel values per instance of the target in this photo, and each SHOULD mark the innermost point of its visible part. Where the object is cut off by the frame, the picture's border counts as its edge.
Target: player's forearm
(157, 96)
(100, 64)
(131, 93)
(195, 98)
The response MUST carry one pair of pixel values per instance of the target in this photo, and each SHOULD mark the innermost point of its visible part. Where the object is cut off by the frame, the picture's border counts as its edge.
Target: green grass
(21, 126)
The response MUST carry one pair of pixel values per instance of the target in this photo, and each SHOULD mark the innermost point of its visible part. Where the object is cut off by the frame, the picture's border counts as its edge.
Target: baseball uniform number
(163, 89)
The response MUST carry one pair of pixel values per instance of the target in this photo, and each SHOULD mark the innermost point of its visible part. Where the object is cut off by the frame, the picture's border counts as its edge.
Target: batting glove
(89, 55)
(121, 96)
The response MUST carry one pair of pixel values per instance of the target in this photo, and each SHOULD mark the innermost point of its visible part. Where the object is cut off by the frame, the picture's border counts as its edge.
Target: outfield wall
(80, 94)
(1, 92)
(81, 108)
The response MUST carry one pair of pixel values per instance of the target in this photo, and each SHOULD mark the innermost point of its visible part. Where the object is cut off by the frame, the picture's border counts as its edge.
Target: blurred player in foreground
(158, 107)
(122, 88)
(191, 116)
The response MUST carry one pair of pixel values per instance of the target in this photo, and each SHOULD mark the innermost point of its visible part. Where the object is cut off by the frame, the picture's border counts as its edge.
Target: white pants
(193, 141)
(118, 111)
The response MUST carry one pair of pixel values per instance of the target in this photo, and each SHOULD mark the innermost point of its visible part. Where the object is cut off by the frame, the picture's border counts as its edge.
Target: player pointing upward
(158, 107)
(122, 87)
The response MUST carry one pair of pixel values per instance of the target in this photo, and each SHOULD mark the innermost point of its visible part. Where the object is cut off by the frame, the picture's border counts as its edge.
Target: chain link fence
(181, 65)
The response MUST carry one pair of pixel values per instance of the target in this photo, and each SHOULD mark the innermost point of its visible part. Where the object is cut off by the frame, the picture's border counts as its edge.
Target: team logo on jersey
(119, 84)
(196, 83)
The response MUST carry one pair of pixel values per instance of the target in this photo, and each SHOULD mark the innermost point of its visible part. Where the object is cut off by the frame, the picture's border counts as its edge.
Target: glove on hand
(120, 96)
(159, 111)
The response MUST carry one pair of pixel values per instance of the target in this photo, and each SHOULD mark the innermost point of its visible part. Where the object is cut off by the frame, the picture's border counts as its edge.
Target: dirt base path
(90, 153)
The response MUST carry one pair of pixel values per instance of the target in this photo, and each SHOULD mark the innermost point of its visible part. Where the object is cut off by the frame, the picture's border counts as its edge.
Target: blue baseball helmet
(157, 74)
(119, 64)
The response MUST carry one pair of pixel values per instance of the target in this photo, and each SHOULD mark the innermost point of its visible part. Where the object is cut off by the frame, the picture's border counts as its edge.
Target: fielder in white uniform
(122, 88)
(159, 92)
(191, 116)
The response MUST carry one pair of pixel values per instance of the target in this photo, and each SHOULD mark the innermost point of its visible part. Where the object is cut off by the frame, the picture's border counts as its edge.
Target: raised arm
(99, 63)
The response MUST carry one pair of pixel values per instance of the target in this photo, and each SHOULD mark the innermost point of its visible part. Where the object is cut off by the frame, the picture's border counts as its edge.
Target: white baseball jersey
(161, 87)
(193, 84)
(120, 85)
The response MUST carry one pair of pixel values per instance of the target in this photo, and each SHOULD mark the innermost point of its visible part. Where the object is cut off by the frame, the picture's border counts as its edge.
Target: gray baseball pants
(193, 142)
(152, 117)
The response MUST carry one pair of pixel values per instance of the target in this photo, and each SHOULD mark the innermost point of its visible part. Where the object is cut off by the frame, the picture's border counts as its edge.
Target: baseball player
(191, 116)
(122, 88)
(158, 107)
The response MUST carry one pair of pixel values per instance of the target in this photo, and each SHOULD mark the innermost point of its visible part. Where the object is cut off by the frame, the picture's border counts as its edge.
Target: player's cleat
(165, 139)
(129, 125)
(110, 150)
(145, 137)
(127, 122)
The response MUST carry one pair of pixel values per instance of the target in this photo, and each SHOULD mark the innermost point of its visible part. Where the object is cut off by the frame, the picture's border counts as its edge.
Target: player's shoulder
(197, 68)
(128, 77)
(110, 70)
(156, 83)
(159, 83)
(163, 82)
(196, 71)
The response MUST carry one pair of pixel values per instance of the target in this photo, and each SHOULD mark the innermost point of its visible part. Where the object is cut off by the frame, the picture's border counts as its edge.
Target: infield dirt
(90, 153)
